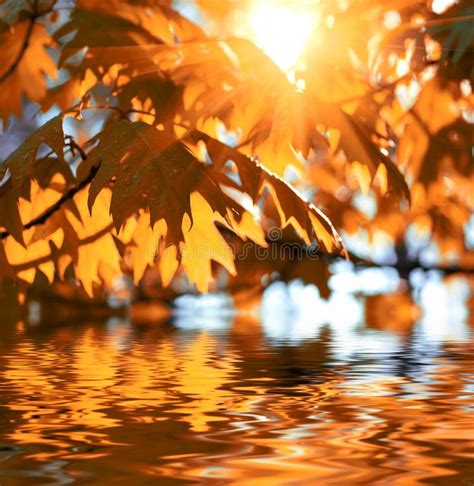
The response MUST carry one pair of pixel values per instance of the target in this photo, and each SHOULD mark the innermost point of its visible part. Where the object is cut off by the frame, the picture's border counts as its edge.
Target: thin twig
(74, 146)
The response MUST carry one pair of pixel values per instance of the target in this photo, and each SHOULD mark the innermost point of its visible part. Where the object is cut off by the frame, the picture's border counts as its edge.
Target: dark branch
(405, 267)
(83, 242)
(67, 196)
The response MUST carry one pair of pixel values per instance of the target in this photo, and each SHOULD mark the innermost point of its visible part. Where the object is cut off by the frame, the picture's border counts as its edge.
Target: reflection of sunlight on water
(212, 312)
(294, 312)
(119, 332)
(444, 309)
(304, 392)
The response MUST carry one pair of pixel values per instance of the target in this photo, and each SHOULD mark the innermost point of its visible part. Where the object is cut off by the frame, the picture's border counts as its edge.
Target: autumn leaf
(10, 218)
(22, 167)
(22, 162)
(203, 244)
(358, 147)
(151, 169)
(131, 31)
(24, 63)
(293, 210)
(188, 142)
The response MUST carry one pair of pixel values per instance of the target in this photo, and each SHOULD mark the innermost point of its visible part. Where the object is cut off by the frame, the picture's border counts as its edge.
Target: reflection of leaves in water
(227, 399)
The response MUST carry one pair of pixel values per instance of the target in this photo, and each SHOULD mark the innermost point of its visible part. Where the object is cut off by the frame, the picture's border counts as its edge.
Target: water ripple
(93, 402)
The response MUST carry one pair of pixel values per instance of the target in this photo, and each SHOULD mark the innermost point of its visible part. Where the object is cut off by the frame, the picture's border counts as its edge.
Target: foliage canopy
(160, 143)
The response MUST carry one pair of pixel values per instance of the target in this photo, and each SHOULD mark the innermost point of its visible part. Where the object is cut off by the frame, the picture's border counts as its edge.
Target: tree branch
(405, 267)
(67, 196)
(44, 259)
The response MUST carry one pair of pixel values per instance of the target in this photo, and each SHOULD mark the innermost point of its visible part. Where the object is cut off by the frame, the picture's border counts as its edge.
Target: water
(219, 399)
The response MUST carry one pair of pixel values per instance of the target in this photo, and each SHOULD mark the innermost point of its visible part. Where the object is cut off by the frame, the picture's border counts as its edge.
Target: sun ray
(282, 29)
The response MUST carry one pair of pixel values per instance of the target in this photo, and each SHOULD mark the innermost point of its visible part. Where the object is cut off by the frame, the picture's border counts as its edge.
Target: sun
(281, 29)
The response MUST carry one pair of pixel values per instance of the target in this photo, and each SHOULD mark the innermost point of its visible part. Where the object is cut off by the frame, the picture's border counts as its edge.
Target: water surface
(236, 400)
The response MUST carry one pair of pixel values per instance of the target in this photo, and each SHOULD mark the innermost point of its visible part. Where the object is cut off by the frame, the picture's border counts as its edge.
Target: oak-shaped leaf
(293, 210)
(24, 166)
(99, 32)
(356, 143)
(24, 63)
(152, 93)
(437, 139)
(150, 169)
(23, 163)
(120, 32)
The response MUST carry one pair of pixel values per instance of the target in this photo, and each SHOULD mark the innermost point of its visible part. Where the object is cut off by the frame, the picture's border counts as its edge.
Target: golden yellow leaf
(202, 244)
(23, 73)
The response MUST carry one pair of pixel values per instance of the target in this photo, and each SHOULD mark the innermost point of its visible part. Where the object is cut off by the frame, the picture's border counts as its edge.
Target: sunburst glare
(281, 29)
